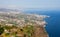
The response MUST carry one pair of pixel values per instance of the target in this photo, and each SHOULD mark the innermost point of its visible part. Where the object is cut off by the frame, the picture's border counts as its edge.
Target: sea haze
(53, 26)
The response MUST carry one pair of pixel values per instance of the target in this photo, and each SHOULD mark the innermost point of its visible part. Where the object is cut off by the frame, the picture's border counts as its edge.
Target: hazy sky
(23, 4)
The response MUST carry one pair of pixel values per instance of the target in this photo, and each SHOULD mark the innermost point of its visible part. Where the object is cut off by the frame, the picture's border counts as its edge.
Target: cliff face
(40, 32)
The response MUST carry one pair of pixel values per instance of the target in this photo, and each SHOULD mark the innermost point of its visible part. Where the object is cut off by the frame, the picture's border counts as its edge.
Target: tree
(1, 30)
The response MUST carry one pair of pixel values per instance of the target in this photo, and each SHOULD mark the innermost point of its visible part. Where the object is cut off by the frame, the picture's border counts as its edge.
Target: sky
(30, 4)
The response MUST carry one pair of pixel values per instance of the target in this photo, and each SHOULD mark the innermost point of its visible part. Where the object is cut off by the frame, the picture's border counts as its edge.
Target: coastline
(32, 25)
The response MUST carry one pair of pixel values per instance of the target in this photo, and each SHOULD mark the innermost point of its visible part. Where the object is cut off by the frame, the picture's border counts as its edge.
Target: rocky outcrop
(39, 32)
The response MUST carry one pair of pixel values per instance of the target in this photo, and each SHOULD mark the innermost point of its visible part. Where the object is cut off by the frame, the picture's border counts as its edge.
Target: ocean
(53, 26)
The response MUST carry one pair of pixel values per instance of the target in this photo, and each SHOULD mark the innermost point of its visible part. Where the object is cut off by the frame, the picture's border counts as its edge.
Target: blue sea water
(53, 26)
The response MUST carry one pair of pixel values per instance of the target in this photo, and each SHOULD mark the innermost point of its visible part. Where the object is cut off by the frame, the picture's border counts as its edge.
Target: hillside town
(15, 24)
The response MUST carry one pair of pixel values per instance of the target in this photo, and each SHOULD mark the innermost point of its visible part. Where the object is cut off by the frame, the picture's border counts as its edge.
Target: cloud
(12, 6)
(9, 6)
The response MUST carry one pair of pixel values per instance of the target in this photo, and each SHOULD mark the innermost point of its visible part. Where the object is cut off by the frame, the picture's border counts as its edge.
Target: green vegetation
(1, 30)
(28, 30)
